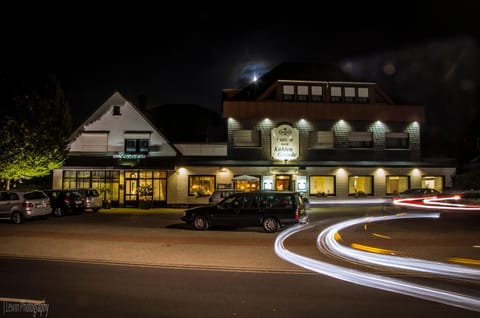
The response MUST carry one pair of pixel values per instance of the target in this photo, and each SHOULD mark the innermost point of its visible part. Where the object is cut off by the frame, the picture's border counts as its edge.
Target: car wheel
(58, 212)
(17, 217)
(200, 222)
(271, 225)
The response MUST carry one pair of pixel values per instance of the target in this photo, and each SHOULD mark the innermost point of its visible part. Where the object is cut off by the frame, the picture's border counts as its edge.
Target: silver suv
(91, 197)
(20, 205)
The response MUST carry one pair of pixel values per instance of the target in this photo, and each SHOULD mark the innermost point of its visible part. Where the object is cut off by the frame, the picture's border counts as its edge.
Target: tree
(34, 137)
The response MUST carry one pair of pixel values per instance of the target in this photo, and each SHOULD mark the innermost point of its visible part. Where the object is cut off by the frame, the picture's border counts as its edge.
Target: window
(321, 140)
(302, 93)
(349, 94)
(363, 95)
(336, 94)
(317, 94)
(433, 182)
(322, 185)
(246, 138)
(360, 139)
(397, 184)
(396, 141)
(201, 185)
(116, 111)
(136, 145)
(288, 92)
(360, 185)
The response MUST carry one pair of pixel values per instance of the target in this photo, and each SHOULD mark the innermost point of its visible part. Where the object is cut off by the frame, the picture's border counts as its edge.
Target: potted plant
(145, 192)
(106, 203)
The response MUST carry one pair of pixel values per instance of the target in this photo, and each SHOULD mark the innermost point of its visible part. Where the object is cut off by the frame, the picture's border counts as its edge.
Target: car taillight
(67, 201)
(28, 205)
(296, 214)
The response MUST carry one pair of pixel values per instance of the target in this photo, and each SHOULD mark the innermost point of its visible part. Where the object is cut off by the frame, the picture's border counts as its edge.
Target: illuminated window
(360, 139)
(322, 186)
(434, 182)
(288, 92)
(302, 93)
(317, 94)
(397, 184)
(349, 94)
(246, 138)
(362, 95)
(396, 141)
(336, 94)
(360, 185)
(201, 185)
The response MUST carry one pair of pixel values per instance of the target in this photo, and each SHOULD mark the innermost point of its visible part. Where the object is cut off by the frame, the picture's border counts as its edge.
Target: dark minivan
(270, 209)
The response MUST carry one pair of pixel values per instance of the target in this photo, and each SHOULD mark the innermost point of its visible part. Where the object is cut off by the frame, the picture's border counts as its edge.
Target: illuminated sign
(129, 156)
(284, 143)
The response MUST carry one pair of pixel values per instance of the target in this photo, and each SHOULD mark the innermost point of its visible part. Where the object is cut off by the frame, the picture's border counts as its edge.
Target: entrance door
(282, 182)
(131, 189)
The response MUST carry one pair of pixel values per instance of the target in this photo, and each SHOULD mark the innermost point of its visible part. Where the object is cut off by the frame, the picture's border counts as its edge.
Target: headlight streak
(435, 203)
(370, 280)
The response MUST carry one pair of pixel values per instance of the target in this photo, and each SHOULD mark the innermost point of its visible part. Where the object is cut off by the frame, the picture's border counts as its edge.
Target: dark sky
(186, 54)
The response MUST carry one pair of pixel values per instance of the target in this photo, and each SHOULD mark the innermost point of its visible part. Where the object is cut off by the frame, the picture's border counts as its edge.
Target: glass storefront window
(434, 182)
(396, 184)
(322, 186)
(360, 185)
(201, 185)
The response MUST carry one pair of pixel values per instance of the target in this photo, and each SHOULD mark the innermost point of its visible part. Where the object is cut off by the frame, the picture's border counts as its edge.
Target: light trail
(437, 203)
(371, 280)
(327, 242)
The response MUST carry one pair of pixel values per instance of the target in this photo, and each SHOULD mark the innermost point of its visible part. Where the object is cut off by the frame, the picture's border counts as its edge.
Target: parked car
(418, 193)
(219, 195)
(65, 202)
(20, 205)
(91, 197)
(270, 209)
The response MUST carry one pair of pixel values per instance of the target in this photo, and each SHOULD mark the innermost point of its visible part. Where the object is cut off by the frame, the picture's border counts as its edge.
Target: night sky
(425, 54)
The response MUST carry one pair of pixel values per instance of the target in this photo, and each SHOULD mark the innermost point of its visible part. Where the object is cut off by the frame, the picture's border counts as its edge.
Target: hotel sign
(129, 156)
(284, 143)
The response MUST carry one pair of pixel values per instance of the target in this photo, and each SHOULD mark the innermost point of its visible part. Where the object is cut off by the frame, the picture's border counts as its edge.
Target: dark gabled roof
(292, 71)
(188, 123)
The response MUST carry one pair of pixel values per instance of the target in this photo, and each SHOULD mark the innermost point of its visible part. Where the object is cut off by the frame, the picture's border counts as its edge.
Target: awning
(245, 177)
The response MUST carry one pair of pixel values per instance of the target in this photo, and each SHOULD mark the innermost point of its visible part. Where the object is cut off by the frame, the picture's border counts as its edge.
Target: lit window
(317, 94)
(322, 186)
(288, 92)
(362, 95)
(360, 185)
(201, 185)
(302, 93)
(349, 95)
(397, 184)
(336, 94)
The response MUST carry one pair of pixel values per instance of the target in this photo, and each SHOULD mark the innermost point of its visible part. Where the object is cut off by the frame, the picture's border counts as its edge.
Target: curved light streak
(436, 203)
(328, 242)
(371, 280)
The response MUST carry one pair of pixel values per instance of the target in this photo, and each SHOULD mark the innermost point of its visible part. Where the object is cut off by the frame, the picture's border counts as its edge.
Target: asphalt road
(122, 264)
(99, 290)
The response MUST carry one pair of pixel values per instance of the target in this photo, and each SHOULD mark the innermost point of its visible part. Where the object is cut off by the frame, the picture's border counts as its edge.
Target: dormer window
(136, 145)
(116, 111)
(288, 92)
(336, 94)
(349, 95)
(363, 95)
(302, 93)
(317, 94)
